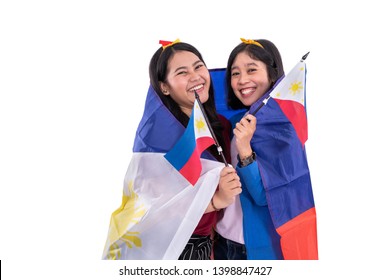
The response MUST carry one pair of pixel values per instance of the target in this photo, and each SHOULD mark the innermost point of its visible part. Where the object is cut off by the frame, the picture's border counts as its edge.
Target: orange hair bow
(253, 42)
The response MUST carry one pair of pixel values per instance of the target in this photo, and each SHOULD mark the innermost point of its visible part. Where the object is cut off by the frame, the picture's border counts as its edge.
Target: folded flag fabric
(160, 208)
(185, 155)
(279, 142)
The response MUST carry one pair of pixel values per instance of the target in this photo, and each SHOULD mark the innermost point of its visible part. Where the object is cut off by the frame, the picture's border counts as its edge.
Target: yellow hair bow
(166, 44)
(253, 42)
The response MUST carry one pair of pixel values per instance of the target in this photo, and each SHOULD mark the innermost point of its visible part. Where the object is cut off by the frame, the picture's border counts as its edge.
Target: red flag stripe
(296, 113)
(192, 169)
(298, 237)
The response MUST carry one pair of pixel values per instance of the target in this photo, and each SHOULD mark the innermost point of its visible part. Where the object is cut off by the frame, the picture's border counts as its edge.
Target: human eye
(235, 73)
(199, 65)
(251, 70)
(181, 73)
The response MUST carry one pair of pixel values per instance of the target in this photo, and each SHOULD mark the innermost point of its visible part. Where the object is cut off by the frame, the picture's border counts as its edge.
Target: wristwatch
(248, 160)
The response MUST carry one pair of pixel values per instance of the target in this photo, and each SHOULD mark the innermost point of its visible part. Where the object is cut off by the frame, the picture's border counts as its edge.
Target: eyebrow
(247, 65)
(185, 67)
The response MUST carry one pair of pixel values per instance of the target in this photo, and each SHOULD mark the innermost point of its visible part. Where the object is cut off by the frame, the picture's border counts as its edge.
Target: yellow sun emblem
(129, 213)
(200, 124)
(295, 87)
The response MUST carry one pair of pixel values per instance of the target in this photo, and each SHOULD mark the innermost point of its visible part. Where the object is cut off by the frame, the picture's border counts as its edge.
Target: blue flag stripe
(184, 148)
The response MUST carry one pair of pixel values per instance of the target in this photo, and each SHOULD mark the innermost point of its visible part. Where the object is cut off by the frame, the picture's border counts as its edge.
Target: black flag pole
(305, 56)
(266, 99)
(260, 106)
(219, 148)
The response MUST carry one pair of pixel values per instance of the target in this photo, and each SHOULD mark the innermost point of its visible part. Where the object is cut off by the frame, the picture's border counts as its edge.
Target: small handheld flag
(185, 155)
(219, 148)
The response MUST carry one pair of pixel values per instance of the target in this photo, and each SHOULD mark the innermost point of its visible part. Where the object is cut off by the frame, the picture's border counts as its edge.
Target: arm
(251, 180)
(249, 174)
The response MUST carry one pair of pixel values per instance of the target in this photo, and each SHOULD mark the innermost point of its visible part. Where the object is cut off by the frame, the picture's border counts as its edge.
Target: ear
(164, 88)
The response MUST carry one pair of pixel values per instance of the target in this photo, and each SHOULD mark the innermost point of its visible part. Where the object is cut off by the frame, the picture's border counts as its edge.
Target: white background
(73, 81)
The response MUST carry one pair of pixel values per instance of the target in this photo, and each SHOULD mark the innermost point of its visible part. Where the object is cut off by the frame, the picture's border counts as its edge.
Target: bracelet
(248, 160)
(212, 204)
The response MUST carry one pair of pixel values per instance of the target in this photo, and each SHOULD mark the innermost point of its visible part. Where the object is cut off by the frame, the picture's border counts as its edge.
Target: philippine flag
(279, 140)
(185, 155)
(290, 95)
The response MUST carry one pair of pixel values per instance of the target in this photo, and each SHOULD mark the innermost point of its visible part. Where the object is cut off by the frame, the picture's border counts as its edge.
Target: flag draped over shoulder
(160, 208)
(279, 143)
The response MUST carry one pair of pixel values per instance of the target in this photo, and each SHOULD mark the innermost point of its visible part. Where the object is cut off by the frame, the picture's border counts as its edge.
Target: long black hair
(158, 70)
(268, 54)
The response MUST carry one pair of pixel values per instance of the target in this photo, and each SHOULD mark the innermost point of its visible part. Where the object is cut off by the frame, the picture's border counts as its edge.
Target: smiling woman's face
(186, 73)
(249, 79)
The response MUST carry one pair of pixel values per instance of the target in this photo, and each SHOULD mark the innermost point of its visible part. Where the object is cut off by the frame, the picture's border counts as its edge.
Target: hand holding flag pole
(219, 148)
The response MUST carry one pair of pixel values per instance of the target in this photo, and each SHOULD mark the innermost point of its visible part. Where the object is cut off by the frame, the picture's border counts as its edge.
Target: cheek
(233, 84)
(264, 80)
(266, 85)
(178, 89)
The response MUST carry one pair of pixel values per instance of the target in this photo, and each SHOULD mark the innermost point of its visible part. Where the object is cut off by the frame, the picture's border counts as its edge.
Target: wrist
(245, 161)
(244, 152)
(213, 205)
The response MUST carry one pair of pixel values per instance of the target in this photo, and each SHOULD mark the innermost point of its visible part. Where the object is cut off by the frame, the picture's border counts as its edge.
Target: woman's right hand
(243, 132)
(229, 188)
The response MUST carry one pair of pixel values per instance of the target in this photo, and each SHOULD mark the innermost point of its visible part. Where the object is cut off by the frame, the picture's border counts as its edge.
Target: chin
(247, 102)
(203, 98)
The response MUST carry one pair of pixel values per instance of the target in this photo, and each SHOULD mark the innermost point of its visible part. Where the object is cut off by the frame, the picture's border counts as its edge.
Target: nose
(243, 78)
(194, 76)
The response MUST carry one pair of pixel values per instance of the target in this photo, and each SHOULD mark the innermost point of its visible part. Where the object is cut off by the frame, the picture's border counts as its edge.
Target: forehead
(182, 59)
(243, 59)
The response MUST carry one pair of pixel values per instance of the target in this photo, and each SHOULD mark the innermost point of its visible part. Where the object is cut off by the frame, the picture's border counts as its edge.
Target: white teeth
(197, 87)
(246, 91)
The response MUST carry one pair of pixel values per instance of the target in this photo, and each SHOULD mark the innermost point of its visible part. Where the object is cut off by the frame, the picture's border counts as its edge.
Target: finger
(239, 126)
(248, 123)
(227, 170)
(231, 174)
(233, 178)
(227, 182)
(230, 181)
(249, 117)
(237, 132)
(237, 191)
(244, 122)
(242, 134)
